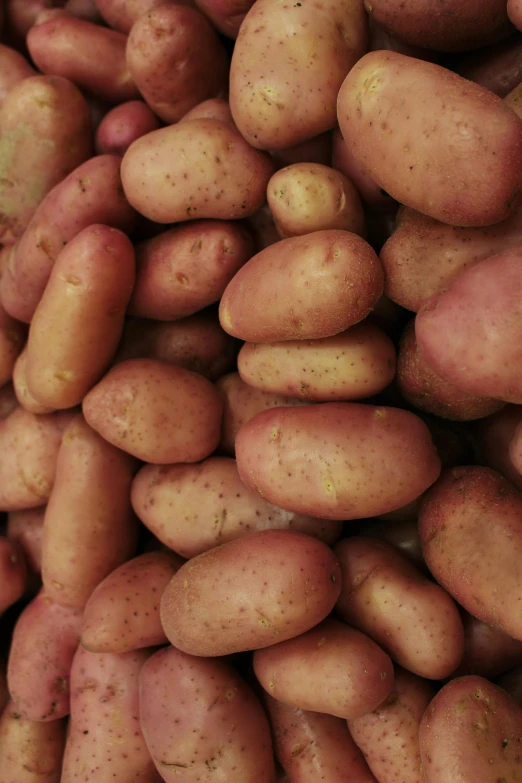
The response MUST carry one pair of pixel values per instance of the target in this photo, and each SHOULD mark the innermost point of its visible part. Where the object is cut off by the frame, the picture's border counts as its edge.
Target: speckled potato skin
(43, 644)
(384, 595)
(202, 722)
(122, 613)
(308, 744)
(471, 731)
(13, 573)
(105, 741)
(250, 593)
(303, 288)
(158, 412)
(488, 651)
(193, 508)
(26, 528)
(337, 460)
(332, 668)
(13, 68)
(469, 525)
(288, 64)
(399, 114)
(389, 735)
(30, 751)
(355, 364)
(201, 168)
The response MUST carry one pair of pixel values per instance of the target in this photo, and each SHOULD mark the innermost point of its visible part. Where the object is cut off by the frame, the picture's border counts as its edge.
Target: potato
(303, 288)
(514, 10)
(8, 401)
(84, 9)
(469, 333)
(193, 508)
(389, 735)
(89, 528)
(226, 601)
(45, 133)
(318, 150)
(201, 168)
(44, 641)
(122, 125)
(22, 14)
(187, 268)
(492, 441)
(92, 193)
(158, 412)
(498, 67)
(337, 460)
(344, 161)
(176, 60)
(263, 229)
(226, 15)
(220, 732)
(355, 364)
(12, 339)
(382, 39)
(122, 14)
(13, 69)
(384, 595)
(488, 651)
(396, 134)
(4, 693)
(287, 68)
(346, 674)
(30, 752)
(13, 573)
(306, 197)
(211, 109)
(24, 397)
(26, 529)
(471, 731)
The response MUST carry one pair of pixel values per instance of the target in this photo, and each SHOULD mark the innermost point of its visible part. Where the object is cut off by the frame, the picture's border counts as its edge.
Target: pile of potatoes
(260, 391)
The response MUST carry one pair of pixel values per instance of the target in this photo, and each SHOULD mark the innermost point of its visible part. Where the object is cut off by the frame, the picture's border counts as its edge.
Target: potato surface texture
(30, 751)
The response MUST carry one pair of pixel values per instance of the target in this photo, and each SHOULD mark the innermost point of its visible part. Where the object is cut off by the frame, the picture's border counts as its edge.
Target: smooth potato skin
(343, 160)
(230, 618)
(122, 14)
(298, 458)
(30, 751)
(211, 109)
(13, 573)
(123, 125)
(398, 112)
(488, 651)
(26, 529)
(226, 15)
(499, 69)
(514, 10)
(13, 69)
(202, 721)
(345, 672)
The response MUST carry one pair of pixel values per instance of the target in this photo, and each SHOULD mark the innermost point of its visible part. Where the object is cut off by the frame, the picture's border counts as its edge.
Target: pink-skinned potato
(497, 67)
(158, 412)
(122, 613)
(343, 160)
(224, 601)
(211, 109)
(226, 15)
(193, 508)
(337, 460)
(26, 528)
(492, 439)
(30, 751)
(471, 731)
(514, 9)
(122, 14)
(13, 573)
(202, 721)
(44, 641)
(25, 399)
(345, 672)
(14, 67)
(395, 130)
(488, 651)
(122, 125)
(303, 288)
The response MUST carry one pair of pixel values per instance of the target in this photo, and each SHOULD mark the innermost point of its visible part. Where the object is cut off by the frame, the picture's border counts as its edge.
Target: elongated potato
(122, 125)
(30, 751)
(26, 529)
(24, 397)
(488, 651)
(13, 69)
(224, 601)
(337, 460)
(514, 9)
(396, 133)
(220, 732)
(13, 573)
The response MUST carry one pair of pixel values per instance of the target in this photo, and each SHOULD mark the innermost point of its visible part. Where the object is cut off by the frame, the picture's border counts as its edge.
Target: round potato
(123, 125)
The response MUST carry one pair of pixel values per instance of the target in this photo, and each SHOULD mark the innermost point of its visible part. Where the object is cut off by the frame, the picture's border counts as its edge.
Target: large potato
(13, 573)
(234, 598)
(337, 460)
(30, 751)
(13, 69)
(400, 115)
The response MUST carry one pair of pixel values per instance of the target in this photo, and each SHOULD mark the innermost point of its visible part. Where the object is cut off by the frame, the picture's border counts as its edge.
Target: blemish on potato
(73, 280)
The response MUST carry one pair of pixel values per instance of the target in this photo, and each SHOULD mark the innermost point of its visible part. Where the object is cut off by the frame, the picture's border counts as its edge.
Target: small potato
(12, 339)
(492, 437)
(30, 752)
(303, 288)
(44, 641)
(26, 529)
(352, 365)
(488, 651)
(306, 197)
(225, 600)
(344, 161)
(13, 69)
(389, 735)
(385, 596)
(187, 268)
(193, 508)
(24, 397)
(211, 109)
(221, 731)
(158, 412)
(123, 125)
(13, 573)
(201, 168)
(337, 460)
(471, 732)
(346, 674)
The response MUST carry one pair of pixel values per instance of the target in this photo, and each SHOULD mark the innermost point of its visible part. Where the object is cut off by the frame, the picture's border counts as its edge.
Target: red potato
(13, 573)
(13, 69)
(471, 731)
(201, 721)
(344, 161)
(122, 14)
(225, 600)
(514, 10)
(24, 397)
(515, 449)
(155, 411)
(12, 339)
(201, 168)
(30, 752)
(226, 15)
(26, 529)
(303, 288)
(317, 150)
(344, 673)
(389, 735)
(211, 109)
(488, 651)
(395, 132)
(498, 67)
(123, 125)
(44, 641)
(492, 442)
(193, 508)
(337, 460)
(382, 39)
(22, 14)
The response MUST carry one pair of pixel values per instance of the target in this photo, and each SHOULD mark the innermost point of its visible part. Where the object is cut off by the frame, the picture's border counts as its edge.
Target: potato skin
(30, 751)
(201, 720)
(122, 125)
(226, 15)
(26, 529)
(13, 69)
(24, 397)
(12, 339)
(398, 112)
(346, 673)
(297, 458)
(211, 109)
(123, 14)
(488, 651)
(13, 573)
(344, 161)
(492, 442)
(514, 10)
(301, 592)
(158, 412)
(272, 299)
